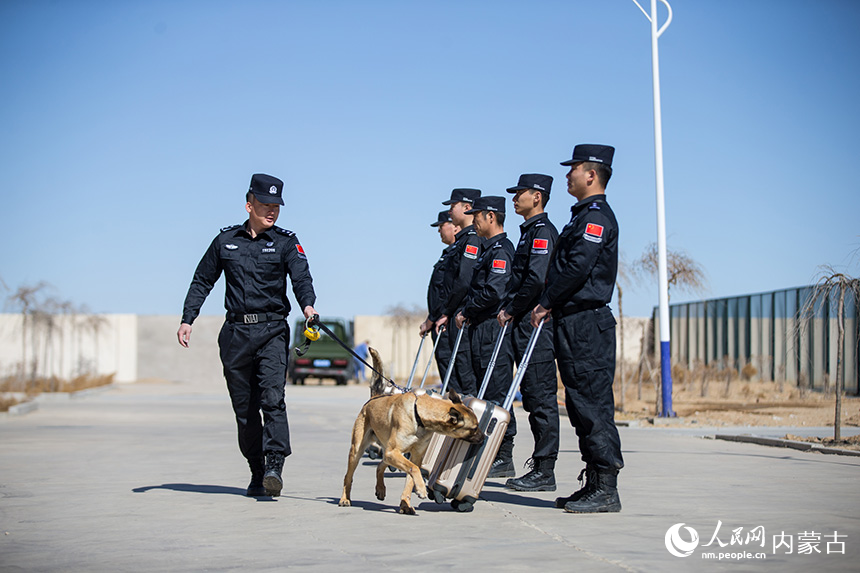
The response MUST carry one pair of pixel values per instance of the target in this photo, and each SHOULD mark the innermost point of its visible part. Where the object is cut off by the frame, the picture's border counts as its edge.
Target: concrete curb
(22, 408)
(781, 443)
(52, 397)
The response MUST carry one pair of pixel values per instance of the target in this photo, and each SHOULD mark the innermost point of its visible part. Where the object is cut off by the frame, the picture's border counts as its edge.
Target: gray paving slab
(147, 477)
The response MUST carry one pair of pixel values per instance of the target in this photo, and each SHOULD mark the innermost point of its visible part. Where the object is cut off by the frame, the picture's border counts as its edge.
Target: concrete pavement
(148, 477)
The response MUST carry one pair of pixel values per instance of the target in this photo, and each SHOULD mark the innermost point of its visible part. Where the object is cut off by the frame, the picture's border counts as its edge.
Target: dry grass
(14, 390)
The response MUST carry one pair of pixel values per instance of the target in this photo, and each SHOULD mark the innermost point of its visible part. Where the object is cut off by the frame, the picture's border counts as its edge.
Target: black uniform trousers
(463, 377)
(585, 351)
(443, 352)
(539, 385)
(482, 341)
(254, 357)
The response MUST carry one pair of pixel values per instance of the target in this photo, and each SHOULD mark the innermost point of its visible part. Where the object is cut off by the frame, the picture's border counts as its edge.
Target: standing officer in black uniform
(458, 274)
(487, 291)
(539, 385)
(436, 291)
(579, 285)
(256, 258)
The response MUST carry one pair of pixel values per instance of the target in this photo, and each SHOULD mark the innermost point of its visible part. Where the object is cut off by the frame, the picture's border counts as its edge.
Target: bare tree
(401, 317)
(829, 285)
(682, 271)
(26, 301)
(620, 284)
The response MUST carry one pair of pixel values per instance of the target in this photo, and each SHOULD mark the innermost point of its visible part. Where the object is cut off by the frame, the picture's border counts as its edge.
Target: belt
(254, 318)
(581, 308)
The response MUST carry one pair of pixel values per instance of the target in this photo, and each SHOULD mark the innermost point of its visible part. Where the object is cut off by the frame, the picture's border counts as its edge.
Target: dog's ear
(454, 397)
(455, 416)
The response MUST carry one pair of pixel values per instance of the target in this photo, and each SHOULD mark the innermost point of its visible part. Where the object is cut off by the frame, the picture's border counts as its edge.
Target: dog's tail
(377, 384)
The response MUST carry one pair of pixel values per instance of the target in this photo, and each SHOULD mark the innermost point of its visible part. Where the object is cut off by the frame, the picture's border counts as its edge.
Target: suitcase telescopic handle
(524, 363)
(488, 374)
(451, 362)
(415, 364)
(432, 354)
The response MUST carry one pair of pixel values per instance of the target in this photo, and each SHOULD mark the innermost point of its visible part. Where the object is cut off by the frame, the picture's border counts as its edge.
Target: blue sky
(130, 131)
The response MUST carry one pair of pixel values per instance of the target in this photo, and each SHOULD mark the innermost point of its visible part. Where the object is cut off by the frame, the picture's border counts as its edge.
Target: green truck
(325, 358)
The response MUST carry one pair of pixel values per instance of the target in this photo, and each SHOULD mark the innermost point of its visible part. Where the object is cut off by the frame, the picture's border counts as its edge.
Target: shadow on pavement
(507, 496)
(193, 488)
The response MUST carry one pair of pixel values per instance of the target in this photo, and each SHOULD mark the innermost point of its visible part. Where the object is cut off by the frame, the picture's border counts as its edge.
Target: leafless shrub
(831, 284)
(683, 272)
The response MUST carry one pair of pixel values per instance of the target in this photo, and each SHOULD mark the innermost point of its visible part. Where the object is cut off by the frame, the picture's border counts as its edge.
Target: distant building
(770, 332)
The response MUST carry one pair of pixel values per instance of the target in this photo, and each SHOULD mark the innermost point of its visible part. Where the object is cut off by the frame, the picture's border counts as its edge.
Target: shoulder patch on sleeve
(471, 252)
(540, 246)
(499, 266)
(593, 232)
(229, 228)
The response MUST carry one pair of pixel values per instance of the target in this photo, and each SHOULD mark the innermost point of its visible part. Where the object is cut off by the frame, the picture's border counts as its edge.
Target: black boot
(590, 473)
(502, 468)
(540, 478)
(603, 498)
(258, 468)
(272, 480)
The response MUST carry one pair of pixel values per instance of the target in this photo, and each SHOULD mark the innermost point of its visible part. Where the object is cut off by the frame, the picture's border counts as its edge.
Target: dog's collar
(417, 417)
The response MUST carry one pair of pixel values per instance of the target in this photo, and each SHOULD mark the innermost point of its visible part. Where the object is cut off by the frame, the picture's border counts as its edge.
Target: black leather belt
(254, 318)
(577, 309)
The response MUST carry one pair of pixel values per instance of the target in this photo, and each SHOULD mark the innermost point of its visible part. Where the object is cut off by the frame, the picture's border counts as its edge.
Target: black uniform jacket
(458, 269)
(490, 279)
(531, 260)
(584, 264)
(437, 293)
(256, 271)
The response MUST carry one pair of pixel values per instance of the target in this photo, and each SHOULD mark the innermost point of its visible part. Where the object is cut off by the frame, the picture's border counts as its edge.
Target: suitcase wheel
(438, 496)
(462, 506)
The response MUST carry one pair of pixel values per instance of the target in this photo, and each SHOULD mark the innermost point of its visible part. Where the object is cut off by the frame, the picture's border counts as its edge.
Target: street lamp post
(662, 272)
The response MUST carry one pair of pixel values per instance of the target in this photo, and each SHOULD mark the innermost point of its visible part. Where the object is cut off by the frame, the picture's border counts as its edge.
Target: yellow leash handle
(312, 333)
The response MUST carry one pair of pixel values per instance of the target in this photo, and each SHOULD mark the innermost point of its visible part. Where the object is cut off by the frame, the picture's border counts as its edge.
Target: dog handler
(436, 291)
(256, 258)
(539, 385)
(579, 285)
(458, 274)
(487, 292)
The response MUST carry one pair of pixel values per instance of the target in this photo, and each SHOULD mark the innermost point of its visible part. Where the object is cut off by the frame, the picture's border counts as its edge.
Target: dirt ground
(744, 403)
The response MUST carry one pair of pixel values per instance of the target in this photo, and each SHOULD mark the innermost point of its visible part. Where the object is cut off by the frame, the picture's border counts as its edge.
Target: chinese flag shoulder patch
(540, 244)
(499, 264)
(594, 230)
(472, 249)
(300, 249)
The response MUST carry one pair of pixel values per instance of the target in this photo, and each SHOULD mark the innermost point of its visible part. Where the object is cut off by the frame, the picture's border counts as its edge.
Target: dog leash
(315, 321)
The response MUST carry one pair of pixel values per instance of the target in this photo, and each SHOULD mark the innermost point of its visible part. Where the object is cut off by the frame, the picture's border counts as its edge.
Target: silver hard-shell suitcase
(459, 468)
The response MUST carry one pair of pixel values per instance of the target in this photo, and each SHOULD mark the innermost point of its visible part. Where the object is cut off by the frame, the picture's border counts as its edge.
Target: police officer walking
(436, 291)
(487, 291)
(539, 385)
(579, 286)
(458, 274)
(256, 257)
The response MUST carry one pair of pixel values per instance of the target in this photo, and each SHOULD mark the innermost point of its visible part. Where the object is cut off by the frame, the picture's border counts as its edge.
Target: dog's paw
(380, 493)
(406, 509)
(421, 492)
(344, 503)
